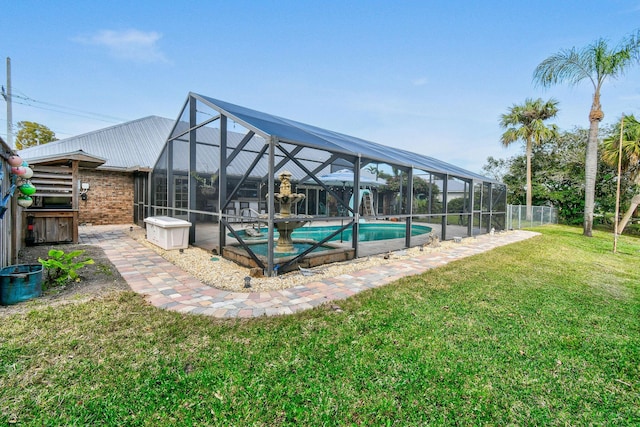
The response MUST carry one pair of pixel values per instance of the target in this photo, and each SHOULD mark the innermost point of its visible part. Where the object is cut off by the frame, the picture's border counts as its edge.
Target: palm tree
(374, 170)
(526, 123)
(596, 63)
(630, 160)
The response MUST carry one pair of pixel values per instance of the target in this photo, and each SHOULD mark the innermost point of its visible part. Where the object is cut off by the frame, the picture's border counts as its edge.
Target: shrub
(62, 268)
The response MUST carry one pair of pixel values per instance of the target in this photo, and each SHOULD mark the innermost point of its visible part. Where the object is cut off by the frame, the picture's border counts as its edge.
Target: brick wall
(109, 199)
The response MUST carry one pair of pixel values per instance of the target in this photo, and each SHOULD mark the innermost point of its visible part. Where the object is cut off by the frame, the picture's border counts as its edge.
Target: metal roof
(287, 130)
(133, 145)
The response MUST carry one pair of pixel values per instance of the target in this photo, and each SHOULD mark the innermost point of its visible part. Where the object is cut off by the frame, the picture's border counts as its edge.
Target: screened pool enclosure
(219, 170)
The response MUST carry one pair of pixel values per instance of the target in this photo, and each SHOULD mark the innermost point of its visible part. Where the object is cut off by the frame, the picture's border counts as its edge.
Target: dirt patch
(96, 279)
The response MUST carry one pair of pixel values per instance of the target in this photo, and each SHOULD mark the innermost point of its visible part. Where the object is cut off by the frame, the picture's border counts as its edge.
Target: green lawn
(542, 332)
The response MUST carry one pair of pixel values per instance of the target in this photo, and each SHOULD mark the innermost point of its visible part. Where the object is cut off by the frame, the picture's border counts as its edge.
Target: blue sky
(429, 76)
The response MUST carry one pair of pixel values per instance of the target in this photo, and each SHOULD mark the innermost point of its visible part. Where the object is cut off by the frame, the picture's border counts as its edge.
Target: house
(219, 161)
(112, 167)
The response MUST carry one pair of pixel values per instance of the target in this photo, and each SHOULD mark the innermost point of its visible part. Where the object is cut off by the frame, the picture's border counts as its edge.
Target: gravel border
(220, 273)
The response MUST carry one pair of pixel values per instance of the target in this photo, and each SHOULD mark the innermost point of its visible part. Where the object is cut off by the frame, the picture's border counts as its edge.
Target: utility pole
(7, 97)
(615, 227)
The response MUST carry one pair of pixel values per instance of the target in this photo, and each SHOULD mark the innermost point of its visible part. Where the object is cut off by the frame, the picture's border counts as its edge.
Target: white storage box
(168, 233)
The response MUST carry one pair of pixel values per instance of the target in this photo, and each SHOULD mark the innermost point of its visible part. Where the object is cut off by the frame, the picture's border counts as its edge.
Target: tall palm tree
(630, 160)
(595, 63)
(526, 123)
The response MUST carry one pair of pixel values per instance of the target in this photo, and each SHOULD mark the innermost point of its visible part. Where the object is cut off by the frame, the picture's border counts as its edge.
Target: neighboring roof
(133, 145)
(345, 177)
(286, 130)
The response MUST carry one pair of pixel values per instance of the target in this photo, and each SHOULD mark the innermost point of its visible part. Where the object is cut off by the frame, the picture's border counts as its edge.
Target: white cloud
(135, 45)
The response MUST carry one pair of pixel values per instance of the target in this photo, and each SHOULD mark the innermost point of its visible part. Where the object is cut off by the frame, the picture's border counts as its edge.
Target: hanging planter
(208, 191)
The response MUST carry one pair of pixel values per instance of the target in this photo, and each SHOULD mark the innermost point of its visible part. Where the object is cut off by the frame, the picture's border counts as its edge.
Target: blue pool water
(367, 232)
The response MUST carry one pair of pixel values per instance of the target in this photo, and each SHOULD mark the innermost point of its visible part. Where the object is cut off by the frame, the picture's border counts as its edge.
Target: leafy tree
(526, 123)
(32, 133)
(596, 63)
(560, 170)
(456, 205)
(630, 159)
(495, 168)
(558, 166)
(421, 191)
(420, 186)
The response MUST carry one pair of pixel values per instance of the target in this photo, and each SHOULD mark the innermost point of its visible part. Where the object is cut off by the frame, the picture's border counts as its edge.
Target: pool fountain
(285, 249)
(286, 198)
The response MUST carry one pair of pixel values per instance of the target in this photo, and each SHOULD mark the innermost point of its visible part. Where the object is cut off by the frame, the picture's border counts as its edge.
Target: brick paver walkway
(167, 286)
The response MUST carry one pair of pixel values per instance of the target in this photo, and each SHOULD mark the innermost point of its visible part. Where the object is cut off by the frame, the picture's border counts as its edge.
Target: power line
(57, 132)
(57, 108)
(15, 126)
(27, 98)
(29, 101)
(114, 120)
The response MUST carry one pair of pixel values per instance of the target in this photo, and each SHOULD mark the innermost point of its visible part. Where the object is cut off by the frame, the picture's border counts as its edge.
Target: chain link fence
(517, 217)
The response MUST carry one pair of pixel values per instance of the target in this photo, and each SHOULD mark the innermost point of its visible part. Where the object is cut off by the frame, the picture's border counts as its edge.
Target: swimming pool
(367, 232)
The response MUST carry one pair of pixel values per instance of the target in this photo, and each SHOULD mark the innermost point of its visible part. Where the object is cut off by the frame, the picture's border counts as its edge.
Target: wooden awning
(84, 160)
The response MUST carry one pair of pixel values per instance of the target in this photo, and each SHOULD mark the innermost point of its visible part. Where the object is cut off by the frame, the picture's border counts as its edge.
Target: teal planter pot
(20, 283)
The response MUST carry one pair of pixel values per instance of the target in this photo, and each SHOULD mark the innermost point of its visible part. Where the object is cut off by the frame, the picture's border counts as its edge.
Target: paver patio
(169, 287)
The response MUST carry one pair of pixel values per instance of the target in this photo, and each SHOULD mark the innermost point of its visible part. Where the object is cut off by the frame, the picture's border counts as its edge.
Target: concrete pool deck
(166, 286)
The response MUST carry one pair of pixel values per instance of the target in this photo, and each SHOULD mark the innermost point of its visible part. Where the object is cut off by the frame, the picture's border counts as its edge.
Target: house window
(161, 191)
(181, 188)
